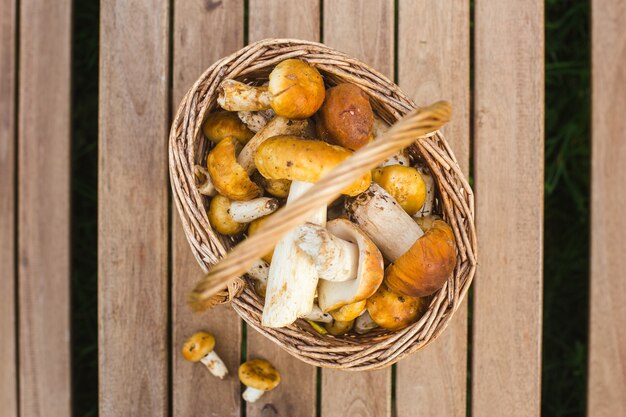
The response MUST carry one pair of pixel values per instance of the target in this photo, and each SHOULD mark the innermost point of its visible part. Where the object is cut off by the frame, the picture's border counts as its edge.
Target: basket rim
(455, 194)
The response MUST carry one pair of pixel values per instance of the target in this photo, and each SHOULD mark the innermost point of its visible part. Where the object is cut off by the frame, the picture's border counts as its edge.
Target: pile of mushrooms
(370, 259)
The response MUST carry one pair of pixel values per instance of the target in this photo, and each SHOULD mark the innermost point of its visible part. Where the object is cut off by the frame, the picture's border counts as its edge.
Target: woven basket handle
(418, 123)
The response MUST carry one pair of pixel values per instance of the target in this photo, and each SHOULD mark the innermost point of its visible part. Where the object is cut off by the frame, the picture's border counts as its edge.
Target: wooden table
(150, 54)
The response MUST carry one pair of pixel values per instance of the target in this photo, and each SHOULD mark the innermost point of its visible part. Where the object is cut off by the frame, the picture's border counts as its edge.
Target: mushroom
(405, 184)
(426, 266)
(339, 328)
(277, 188)
(223, 124)
(253, 228)
(427, 222)
(346, 116)
(295, 90)
(423, 262)
(229, 178)
(400, 158)
(347, 261)
(429, 201)
(258, 376)
(349, 312)
(230, 217)
(259, 272)
(203, 181)
(316, 314)
(199, 348)
(393, 311)
(364, 323)
(293, 276)
(255, 120)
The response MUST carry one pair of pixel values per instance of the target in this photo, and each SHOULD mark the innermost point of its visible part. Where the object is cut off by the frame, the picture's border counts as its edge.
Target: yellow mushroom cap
(222, 124)
(338, 327)
(405, 184)
(220, 218)
(298, 159)
(229, 178)
(259, 374)
(297, 89)
(393, 311)
(349, 311)
(198, 346)
(253, 227)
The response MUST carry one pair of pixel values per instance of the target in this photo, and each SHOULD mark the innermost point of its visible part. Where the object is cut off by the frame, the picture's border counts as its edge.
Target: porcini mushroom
(259, 271)
(426, 222)
(347, 116)
(203, 181)
(316, 314)
(348, 262)
(252, 229)
(258, 376)
(223, 124)
(425, 262)
(230, 217)
(229, 178)
(256, 120)
(293, 276)
(338, 327)
(295, 90)
(349, 312)
(405, 184)
(199, 348)
(364, 323)
(393, 311)
(429, 200)
(400, 158)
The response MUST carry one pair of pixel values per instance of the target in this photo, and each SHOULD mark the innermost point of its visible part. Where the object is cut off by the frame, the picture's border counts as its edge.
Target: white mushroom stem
(260, 272)
(378, 214)
(276, 126)
(364, 323)
(256, 120)
(237, 96)
(252, 394)
(429, 201)
(215, 364)
(316, 314)
(247, 211)
(335, 259)
(203, 181)
(293, 277)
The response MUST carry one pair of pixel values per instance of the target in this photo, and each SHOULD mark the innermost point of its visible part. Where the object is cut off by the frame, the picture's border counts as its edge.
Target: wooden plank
(8, 341)
(509, 160)
(44, 207)
(133, 209)
(196, 46)
(607, 341)
(363, 29)
(423, 39)
(296, 395)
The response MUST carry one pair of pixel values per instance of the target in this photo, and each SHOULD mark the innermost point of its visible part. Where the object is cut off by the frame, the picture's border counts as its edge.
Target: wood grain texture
(433, 64)
(133, 208)
(44, 207)
(284, 19)
(607, 342)
(196, 46)
(364, 30)
(296, 395)
(8, 341)
(509, 161)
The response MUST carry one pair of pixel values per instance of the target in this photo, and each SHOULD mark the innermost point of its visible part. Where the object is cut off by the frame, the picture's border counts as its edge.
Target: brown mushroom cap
(223, 124)
(297, 89)
(393, 311)
(347, 116)
(298, 159)
(228, 177)
(426, 266)
(220, 218)
(259, 374)
(405, 184)
(198, 346)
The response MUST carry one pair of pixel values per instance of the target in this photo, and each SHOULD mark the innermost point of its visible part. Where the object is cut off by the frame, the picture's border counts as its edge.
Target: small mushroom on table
(421, 263)
(230, 217)
(293, 277)
(199, 348)
(258, 376)
(295, 90)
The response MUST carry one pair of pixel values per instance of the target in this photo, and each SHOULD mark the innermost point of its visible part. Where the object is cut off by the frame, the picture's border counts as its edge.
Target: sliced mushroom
(405, 184)
(199, 348)
(295, 90)
(223, 124)
(258, 376)
(230, 217)
(229, 178)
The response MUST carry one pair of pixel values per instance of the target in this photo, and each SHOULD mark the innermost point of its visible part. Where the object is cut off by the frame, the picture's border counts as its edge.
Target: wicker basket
(188, 146)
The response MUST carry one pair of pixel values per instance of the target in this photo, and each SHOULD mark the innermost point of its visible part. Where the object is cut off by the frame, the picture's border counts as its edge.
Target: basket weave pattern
(455, 201)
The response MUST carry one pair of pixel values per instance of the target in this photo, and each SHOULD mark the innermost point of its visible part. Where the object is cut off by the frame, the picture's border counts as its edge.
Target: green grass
(566, 208)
